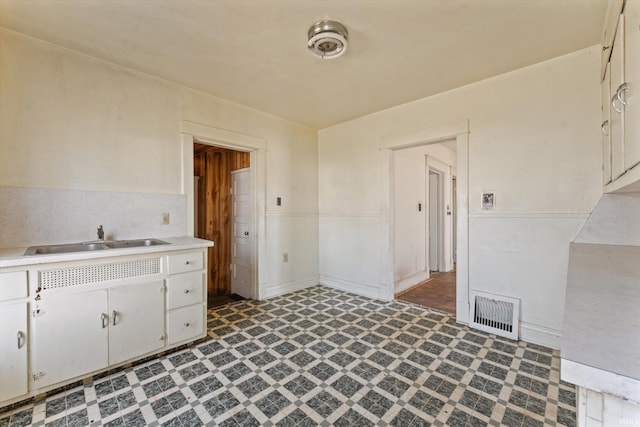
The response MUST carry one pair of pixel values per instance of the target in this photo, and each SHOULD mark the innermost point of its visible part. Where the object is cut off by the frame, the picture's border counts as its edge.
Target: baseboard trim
(404, 285)
(366, 290)
(540, 335)
(287, 287)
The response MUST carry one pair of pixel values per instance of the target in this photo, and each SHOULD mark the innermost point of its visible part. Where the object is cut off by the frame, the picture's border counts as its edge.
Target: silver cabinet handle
(105, 320)
(114, 314)
(186, 291)
(187, 262)
(620, 91)
(20, 339)
(603, 128)
(187, 324)
(613, 103)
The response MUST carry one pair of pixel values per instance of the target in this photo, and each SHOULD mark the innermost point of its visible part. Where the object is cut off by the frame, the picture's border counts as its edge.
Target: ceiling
(254, 52)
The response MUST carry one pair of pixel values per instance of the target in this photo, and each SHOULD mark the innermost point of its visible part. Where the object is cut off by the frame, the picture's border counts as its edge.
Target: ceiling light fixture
(327, 39)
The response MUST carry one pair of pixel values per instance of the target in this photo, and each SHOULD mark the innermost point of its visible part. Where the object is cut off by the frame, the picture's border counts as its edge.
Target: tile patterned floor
(328, 358)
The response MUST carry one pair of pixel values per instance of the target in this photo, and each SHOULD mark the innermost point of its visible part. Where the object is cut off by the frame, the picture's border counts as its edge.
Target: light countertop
(14, 257)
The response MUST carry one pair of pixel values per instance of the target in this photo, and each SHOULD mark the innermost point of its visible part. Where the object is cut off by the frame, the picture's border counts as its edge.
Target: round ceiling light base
(327, 39)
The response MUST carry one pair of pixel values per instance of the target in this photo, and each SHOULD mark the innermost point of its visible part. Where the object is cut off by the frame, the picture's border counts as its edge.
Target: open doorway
(425, 239)
(222, 214)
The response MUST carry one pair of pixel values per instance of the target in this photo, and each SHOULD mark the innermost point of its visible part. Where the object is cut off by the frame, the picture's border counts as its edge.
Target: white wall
(74, 123)
(410, 225)
(533, 141)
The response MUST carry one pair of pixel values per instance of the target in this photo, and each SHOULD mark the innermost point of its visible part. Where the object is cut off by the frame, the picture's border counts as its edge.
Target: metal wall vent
(74, 276)
(495, 314)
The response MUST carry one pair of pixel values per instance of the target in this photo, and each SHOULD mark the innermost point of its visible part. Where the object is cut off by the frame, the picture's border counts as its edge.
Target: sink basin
(63, 249)
(92, 246)
(119, 244)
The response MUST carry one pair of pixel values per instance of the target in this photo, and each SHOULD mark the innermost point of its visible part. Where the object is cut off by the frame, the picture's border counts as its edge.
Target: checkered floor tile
(322, 357)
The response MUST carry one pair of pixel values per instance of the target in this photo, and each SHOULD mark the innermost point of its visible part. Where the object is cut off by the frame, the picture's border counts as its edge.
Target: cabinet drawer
(185, 289)
(13, 285)
(185, 323)
(181, 263)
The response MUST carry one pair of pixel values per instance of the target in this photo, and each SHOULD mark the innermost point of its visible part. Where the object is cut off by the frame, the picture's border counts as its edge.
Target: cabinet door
(137, 320)
(70, 336)
(13, 354)
(617, 117)
(632, 79)
(606, 128)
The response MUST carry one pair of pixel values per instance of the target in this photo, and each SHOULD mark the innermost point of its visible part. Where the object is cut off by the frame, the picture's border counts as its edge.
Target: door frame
(256, 147)
(460, 132)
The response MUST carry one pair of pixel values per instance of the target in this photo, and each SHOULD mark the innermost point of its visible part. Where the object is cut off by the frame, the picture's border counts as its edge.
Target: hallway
(438, 292)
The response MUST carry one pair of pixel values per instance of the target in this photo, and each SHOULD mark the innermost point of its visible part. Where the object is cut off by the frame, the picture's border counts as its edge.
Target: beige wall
(534, 141)
(72, 122)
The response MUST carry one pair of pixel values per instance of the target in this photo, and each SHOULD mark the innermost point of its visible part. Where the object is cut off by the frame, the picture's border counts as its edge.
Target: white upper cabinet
(621, 96)
(616, 121)
(606, 126)
(630, 93)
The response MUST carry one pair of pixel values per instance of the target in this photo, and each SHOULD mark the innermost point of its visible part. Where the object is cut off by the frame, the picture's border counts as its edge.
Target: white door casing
(459, 131)
(257, 176)
(241, 238)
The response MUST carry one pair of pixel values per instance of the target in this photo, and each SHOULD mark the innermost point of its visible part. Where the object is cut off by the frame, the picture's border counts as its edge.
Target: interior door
(136, 320)
(241, 246)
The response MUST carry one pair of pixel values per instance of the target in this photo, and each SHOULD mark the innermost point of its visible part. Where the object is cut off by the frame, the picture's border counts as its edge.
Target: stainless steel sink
(92, 246)
(119, 244)
(63, 249)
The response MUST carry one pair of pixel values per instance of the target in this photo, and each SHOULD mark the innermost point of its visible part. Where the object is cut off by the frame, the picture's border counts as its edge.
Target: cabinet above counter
(14, 257)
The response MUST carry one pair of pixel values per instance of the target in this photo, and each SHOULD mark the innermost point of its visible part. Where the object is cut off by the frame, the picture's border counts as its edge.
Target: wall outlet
(285, 257)
(165, 218)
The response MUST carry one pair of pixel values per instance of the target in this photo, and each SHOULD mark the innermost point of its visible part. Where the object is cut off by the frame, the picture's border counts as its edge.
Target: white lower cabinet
(136, 320)
(71, 336)
(60, 322)
(13, 353)
(186, 298)
(79, 333)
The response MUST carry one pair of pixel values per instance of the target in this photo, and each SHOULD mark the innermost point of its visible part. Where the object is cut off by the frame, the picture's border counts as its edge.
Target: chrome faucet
(100, 233)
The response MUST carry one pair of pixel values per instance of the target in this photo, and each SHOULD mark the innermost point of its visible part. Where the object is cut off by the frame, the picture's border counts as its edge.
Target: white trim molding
(272, 291)
(460, 132)
(257, 175)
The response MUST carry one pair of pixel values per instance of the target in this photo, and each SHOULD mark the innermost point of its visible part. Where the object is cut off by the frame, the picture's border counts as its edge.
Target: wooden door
(214, 166)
